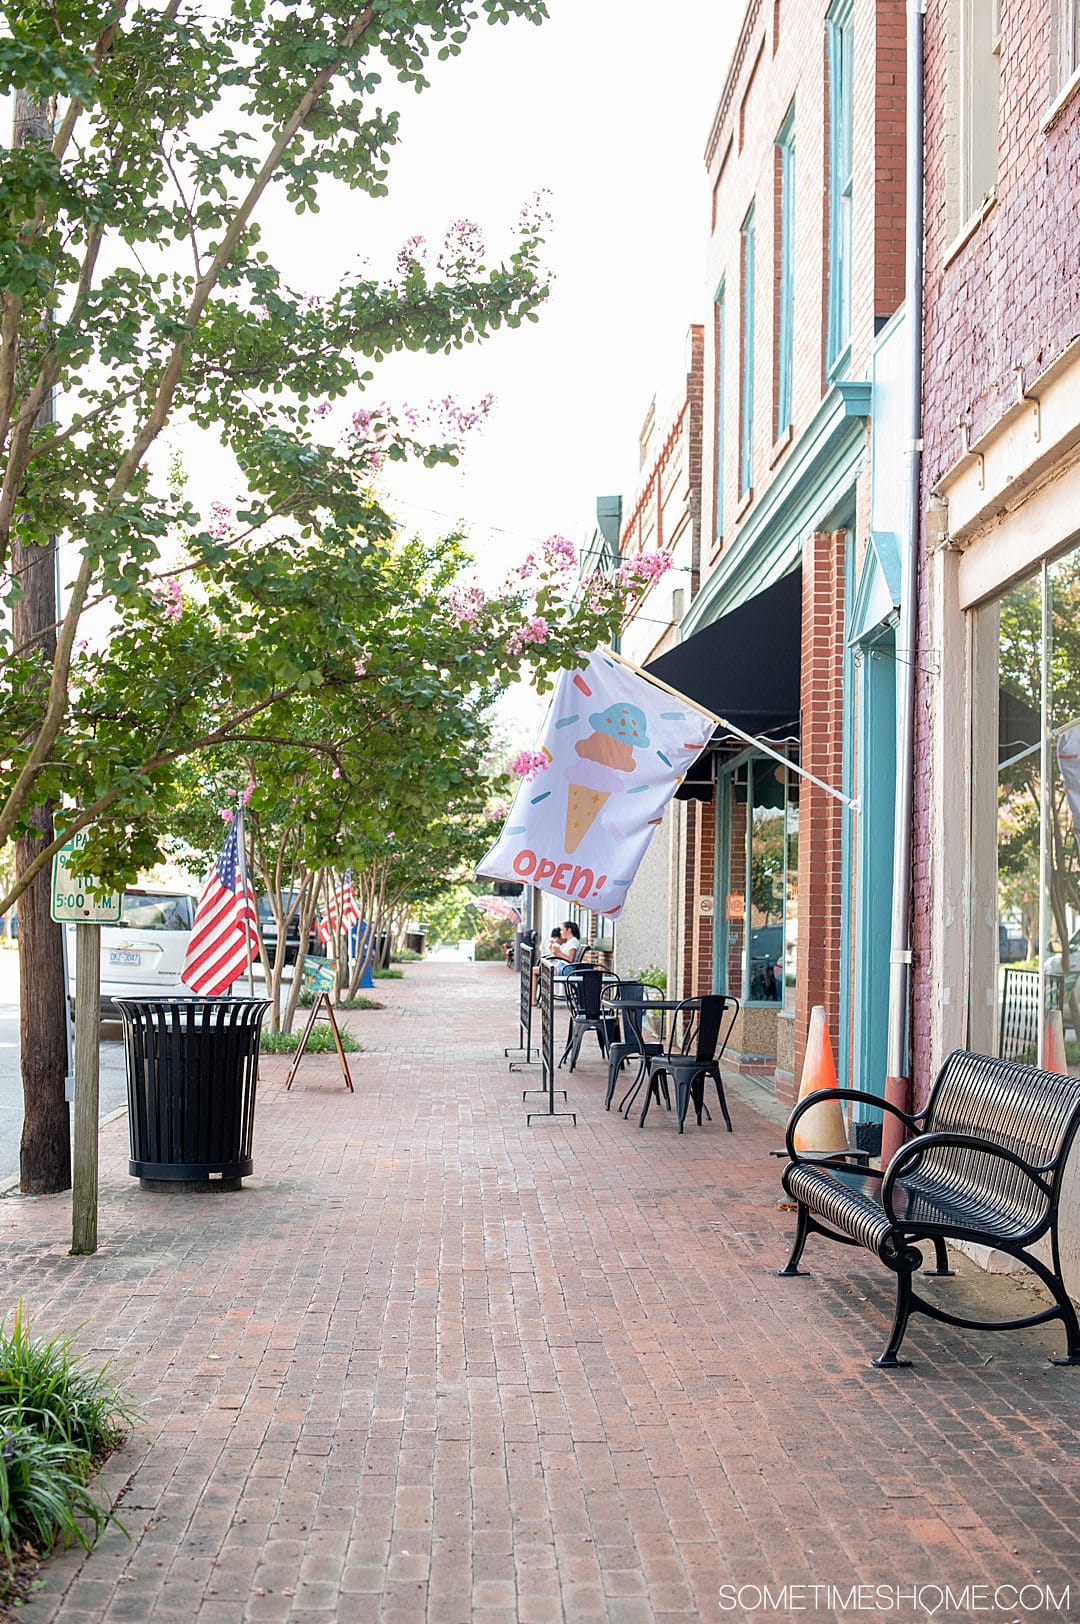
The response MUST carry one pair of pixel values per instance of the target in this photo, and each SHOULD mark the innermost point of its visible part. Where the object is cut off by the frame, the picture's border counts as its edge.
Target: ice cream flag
(617, 747)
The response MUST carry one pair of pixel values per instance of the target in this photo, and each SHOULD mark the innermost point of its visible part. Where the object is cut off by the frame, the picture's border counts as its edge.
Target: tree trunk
(45, 1152)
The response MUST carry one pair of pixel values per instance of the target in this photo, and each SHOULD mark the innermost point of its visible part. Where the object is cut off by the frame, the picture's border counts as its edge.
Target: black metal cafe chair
(633, 1044)
(698, 1058)
(584, 988)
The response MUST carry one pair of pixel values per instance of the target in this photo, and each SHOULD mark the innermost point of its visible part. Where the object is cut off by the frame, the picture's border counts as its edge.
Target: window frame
(747, 265)
(980, 106)
(720, 349)
(839, 26)
(785, 313)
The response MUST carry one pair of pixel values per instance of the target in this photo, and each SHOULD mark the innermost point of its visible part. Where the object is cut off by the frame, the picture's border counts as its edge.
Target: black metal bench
(985, 1166)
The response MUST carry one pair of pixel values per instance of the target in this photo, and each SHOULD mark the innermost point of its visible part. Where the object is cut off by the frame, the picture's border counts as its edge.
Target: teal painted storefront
(814, 490)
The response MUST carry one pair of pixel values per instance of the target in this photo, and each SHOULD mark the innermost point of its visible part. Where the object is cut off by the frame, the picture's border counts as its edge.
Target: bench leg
(802, 1229)
(1071, 1324)
(941, 1255)
(908, 1262)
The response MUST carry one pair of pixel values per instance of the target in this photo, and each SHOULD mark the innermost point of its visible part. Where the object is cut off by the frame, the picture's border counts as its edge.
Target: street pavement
(433, 1364)
(113, 1089)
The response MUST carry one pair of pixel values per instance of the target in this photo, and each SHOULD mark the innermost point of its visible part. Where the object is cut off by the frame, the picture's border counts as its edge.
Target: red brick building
(997, 866)
(664, 513)
(804, 272)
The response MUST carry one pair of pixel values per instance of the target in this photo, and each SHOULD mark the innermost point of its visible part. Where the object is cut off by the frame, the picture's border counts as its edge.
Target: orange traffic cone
(823, 1128)
(1053, 1043)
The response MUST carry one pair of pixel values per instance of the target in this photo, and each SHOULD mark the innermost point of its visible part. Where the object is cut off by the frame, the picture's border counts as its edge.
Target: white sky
(608, 106)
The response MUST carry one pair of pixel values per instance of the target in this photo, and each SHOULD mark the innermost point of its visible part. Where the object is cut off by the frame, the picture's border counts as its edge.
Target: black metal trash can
(191, 1070)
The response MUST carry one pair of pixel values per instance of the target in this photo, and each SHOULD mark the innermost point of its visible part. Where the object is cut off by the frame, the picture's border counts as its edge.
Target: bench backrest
(1033, 1113)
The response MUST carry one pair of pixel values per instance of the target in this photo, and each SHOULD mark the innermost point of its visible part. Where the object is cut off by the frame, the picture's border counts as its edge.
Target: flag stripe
(225, 925)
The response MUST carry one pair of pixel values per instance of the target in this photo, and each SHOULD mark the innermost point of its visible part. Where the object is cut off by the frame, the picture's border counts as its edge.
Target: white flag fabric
(617, 748)
(1068, 757)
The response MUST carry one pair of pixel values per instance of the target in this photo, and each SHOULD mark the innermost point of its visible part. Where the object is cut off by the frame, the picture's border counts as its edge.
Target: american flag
(225, 924)
(350, 908)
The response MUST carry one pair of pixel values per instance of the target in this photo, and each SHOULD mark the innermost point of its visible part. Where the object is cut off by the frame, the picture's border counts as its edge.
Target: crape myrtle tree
(135, 291)
(381, 764)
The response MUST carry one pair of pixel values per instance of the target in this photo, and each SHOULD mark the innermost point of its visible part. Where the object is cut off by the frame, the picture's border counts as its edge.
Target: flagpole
(722, 721)
(242, 852)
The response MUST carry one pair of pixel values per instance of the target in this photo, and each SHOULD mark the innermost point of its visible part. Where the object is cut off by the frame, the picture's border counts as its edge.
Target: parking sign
(73, 898)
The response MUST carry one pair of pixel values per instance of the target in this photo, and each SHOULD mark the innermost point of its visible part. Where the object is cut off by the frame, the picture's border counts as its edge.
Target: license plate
(125, 958)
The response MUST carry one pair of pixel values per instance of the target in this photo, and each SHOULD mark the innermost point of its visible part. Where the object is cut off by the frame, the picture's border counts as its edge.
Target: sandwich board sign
(73, 899)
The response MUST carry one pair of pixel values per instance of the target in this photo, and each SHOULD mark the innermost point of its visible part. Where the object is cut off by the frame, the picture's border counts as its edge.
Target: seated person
(565, 945)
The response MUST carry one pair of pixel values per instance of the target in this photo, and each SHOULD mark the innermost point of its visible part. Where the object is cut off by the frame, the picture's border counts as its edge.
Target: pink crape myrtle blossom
(462, 248)
(527, 763)
(248, 791)
(226, 814)
(359, 665)
(643, 569)
(323, 409)
(447, 418)
(170, 598)
(533, 631)
(411, 255)
(466, 604)
(560, 554)
(220, 522)
(535, 214)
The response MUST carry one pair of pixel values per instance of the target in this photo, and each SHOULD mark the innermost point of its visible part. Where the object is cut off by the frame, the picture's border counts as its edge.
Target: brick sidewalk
(434, 1365)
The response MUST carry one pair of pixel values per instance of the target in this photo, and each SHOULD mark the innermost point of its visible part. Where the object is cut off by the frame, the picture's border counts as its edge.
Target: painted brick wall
(1010, 297)
(818, 963)
(1000, 306)
(780, 60)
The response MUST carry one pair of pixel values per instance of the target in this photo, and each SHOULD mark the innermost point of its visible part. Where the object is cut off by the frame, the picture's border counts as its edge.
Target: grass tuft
(321, 1041)
(58, 1420)
(388, 975)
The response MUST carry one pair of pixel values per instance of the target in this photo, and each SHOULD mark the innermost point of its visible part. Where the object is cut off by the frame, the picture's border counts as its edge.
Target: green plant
(58, 1419)
(407, 955)
(43, 1492)
(307, 998)
(650, 976)
(45, 1384)
(321, 1041)
(388, 975)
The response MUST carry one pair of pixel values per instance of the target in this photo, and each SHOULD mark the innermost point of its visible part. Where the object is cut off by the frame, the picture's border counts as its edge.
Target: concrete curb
(10, 1186)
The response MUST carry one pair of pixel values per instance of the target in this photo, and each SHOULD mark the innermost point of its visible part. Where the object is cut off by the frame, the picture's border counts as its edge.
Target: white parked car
(142, 955)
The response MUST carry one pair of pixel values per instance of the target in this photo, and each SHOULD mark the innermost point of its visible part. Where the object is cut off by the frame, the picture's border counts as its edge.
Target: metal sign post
(84, 1172)
(523, 1052)
(73, 899)
(547, 1049)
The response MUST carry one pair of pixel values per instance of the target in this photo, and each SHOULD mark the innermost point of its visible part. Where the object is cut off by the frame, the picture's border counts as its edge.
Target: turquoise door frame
(876, 684)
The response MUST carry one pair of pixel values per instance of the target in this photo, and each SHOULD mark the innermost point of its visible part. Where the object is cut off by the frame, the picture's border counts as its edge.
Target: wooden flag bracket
(321, 998)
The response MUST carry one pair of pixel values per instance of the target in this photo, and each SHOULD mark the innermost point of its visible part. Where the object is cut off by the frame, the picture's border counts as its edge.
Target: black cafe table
(617, 1002)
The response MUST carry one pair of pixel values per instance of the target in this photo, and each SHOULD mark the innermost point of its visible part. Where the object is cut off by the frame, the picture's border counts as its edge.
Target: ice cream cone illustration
(583, 807)
(616, 733)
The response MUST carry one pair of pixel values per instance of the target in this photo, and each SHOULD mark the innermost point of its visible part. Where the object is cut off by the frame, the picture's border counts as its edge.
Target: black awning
(746, 666)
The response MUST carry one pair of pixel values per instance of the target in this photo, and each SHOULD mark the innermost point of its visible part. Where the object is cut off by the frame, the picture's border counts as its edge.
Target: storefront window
(760, 905)
(1026, 955)
(791, 891)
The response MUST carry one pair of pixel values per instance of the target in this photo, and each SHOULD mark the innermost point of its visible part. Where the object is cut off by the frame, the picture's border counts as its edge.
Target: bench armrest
(803, 1106)
(962, 1141)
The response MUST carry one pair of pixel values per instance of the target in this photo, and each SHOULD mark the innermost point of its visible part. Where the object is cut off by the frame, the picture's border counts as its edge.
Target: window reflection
(1036, 934)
